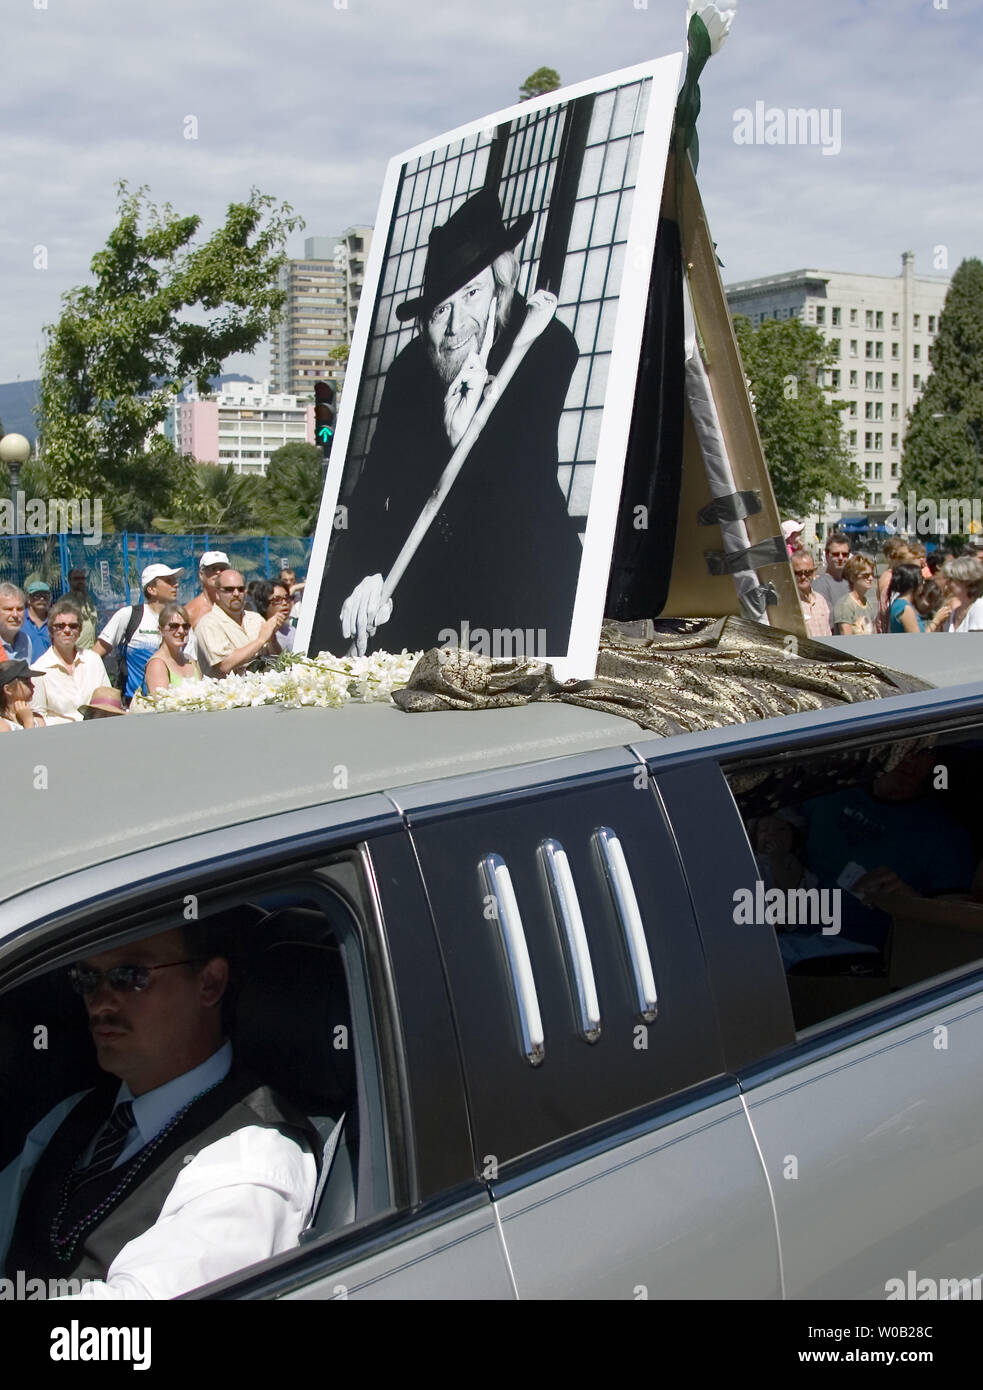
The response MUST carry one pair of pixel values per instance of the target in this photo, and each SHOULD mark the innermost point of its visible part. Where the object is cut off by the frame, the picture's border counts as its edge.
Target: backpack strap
(136, 618)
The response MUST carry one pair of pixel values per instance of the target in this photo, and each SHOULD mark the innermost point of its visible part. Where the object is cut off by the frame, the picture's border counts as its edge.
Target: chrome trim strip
(497, 885)
(566, 907)
(612, 856)
(771, 1198)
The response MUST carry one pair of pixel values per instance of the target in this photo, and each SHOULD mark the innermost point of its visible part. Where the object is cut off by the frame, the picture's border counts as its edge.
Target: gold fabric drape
(677, 677)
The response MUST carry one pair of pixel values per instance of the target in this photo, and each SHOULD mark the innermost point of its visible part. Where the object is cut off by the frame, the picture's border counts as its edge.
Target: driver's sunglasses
(124, 979)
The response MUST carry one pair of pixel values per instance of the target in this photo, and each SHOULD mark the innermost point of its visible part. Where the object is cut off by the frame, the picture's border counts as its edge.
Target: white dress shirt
(240, 1200)
(62, 688)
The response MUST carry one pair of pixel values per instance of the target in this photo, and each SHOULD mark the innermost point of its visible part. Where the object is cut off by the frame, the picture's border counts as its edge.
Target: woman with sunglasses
(856, 612)
(67, 676)
(169, 665)
(272, 599)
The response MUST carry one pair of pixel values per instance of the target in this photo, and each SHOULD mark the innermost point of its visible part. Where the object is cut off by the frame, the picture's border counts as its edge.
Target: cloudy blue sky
(308, 101)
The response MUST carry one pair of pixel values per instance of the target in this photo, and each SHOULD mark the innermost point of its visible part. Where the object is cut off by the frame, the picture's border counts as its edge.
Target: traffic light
(324, 395)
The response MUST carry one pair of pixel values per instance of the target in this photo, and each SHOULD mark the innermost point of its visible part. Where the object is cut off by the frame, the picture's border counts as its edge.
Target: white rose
(716, 18)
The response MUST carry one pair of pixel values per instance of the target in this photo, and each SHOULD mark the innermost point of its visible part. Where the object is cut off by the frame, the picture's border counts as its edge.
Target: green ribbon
(688, 103)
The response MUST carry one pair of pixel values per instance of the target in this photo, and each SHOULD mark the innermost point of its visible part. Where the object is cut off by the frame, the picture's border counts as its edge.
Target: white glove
(364, 610)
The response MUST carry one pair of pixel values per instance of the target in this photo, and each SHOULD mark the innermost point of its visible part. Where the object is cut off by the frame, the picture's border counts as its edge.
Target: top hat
(462, 247)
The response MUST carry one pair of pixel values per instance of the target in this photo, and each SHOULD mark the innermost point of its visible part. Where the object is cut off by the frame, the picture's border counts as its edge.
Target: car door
(615, 1145)
(869, 1118)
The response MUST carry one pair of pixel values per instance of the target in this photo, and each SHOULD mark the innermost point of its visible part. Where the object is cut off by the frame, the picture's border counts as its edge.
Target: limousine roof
(86, 795)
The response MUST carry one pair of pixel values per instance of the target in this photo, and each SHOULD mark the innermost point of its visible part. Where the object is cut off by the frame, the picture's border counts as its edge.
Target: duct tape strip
(733, 507)
(769, 552)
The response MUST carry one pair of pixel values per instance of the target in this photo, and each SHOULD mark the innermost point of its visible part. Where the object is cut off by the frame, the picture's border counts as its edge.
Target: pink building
(242, 426)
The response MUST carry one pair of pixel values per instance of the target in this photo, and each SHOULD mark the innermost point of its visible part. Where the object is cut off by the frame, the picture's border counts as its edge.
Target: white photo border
(579, 662)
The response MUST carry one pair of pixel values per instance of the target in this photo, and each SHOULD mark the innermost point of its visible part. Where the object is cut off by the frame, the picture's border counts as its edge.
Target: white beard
(448, 364)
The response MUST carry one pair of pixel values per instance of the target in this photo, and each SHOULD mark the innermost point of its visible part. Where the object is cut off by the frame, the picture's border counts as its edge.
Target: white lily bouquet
(325, 681)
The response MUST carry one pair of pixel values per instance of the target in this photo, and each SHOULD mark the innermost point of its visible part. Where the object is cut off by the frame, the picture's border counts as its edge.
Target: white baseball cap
(153, 572)
(790, 528)
(213, 557)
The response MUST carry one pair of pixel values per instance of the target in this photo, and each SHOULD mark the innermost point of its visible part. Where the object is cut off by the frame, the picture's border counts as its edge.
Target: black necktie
(108, 1147)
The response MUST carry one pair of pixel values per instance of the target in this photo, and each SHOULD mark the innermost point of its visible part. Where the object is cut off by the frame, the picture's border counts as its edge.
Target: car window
(869, 867)
(304, 1032)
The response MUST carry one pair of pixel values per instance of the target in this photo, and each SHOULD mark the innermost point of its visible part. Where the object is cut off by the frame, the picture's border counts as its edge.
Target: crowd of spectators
(57, 667)
(916, 592)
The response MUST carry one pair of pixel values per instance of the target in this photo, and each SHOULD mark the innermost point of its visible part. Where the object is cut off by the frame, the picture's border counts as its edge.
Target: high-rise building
(323, 291)
(241, 426)
(882, 327)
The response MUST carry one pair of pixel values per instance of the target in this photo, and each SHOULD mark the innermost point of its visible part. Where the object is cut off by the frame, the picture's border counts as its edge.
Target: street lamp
(15, 450)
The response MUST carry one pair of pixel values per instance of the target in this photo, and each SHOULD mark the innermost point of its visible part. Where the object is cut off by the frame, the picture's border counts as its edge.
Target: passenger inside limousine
(183, 1163)
(890, 834)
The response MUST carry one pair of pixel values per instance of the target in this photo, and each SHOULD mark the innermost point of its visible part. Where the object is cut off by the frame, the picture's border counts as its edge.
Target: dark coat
(503, 552)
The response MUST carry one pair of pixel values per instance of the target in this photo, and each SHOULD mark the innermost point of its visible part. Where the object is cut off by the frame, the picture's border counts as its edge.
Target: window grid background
(436, 184)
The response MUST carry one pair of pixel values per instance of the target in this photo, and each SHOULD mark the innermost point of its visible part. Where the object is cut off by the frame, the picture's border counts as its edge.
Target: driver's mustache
(108, 1021)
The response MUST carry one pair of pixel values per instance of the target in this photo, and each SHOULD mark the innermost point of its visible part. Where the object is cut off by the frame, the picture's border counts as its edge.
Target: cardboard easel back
(693, 591)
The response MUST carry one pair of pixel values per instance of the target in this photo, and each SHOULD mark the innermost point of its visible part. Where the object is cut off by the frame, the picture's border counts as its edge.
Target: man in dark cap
(502, 553)
(36, 617)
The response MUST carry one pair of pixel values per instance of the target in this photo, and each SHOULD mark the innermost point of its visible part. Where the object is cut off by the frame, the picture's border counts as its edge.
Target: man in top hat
(502, 552)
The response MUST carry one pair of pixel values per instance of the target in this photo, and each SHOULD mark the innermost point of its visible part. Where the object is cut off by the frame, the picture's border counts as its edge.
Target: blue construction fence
(115, 564)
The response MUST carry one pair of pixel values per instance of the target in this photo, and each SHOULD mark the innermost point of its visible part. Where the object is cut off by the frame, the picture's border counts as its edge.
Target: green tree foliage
(943, 444)
(538, 82)
(212, 497)
(162, 311)
(143, 488)
(800, 430)
(292, 497)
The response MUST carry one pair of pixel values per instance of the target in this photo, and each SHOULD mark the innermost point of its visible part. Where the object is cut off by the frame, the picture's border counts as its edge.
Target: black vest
(128, 1200)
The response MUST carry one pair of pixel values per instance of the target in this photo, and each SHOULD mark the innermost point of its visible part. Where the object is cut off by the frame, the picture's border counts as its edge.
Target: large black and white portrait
(474, 480)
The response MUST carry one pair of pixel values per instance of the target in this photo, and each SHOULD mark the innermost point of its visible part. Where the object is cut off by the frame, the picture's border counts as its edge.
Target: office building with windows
(881, 328)
(241, 426)
(323, 291)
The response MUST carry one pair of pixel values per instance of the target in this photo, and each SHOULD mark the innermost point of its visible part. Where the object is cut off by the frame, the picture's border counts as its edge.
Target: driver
(181, 1168)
